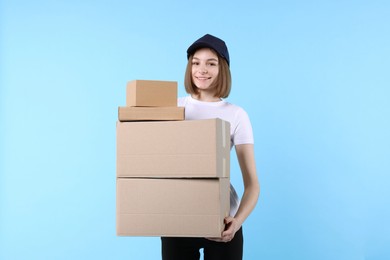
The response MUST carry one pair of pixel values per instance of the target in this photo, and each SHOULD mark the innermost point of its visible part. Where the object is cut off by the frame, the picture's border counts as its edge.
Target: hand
(231, 227)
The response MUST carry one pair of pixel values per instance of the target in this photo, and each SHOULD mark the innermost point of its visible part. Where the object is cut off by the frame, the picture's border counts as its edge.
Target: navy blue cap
(212, 42)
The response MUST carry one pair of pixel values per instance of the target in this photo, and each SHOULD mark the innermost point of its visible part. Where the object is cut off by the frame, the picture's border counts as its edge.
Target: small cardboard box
(150, 113)
(174, 149)
(172, 207)
(151, 93)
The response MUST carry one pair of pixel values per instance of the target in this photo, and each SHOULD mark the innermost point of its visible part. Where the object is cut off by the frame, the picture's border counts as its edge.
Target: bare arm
(246, 159)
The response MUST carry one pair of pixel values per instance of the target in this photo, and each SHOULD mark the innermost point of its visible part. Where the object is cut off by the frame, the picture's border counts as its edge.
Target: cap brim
(196, 46)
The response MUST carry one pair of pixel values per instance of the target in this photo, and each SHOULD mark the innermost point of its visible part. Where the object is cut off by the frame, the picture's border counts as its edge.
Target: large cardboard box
(150, 113)
(174, 149)
(172, 207)
(151, 93)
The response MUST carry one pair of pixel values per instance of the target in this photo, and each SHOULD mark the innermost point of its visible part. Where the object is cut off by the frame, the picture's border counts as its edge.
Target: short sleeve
(243, 133)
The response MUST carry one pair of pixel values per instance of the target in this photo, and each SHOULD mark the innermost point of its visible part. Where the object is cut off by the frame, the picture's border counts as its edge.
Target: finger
(228, 220)
(219, 239)
(216, 239)
(226, 239)
(227, 234)
(228, 231)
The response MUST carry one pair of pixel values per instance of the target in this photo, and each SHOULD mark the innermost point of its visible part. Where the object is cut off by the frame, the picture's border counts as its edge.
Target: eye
(195, 63)
(213, 64)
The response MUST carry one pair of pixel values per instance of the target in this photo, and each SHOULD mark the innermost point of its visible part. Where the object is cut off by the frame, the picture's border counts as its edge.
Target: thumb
(228, 220)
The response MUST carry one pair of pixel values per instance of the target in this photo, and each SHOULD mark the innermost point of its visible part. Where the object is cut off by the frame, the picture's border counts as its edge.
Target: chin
(203, 88)
(202, 85)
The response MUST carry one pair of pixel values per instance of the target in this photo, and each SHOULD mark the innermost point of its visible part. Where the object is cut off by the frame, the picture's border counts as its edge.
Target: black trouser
(183, 248)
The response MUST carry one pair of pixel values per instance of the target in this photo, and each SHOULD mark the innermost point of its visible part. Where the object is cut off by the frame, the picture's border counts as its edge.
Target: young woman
(208, 81)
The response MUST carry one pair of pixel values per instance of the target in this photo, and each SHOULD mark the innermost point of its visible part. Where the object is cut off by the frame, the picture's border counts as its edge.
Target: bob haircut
(222, 84)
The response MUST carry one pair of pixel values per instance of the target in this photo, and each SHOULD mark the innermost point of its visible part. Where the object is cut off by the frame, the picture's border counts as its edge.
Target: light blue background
(313, 76)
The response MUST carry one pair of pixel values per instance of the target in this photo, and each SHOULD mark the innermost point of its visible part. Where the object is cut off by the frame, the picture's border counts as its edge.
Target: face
(204, 69)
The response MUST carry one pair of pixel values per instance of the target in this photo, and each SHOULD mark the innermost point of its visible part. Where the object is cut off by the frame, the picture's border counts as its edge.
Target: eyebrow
(212, 59)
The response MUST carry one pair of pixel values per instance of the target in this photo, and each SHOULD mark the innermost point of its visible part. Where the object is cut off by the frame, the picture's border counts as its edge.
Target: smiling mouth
(203, 78)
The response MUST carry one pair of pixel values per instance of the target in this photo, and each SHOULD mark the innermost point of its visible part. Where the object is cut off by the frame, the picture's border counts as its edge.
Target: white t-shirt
(240, 127)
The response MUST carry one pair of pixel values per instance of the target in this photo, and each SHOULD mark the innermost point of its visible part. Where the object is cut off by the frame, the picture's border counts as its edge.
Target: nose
(203, 70)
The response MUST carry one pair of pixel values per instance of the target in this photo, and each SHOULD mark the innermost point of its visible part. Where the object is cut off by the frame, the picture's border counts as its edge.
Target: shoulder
(238, 111)
(241, 126)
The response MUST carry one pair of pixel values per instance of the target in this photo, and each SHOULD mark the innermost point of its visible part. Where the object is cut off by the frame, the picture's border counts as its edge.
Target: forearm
(246, 158)
(248, 202)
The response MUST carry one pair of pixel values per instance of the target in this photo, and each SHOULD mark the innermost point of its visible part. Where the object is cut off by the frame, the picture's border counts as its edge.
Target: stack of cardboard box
(172, 175)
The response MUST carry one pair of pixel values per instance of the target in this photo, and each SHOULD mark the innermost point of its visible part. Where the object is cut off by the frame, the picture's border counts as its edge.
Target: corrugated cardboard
(172, 207)
(150, 113)
(176, 149)
(151, 93)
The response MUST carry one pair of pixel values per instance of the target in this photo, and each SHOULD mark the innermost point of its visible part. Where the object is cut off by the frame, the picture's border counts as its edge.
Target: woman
(208, 81)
